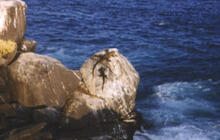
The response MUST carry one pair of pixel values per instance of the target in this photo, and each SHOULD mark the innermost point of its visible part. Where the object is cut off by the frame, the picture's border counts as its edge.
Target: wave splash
(183, 111)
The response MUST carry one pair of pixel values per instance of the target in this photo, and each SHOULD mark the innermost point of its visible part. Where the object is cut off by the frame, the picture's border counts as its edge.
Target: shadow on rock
(47, 123)
(102, 124)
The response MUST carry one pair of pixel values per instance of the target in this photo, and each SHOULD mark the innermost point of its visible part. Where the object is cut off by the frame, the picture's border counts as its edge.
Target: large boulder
(108, 85)
(36, 80)
(12, 20)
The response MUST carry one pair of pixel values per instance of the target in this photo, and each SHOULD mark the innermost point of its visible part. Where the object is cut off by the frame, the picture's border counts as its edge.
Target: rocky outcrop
(40, 80)
(108, 83)
(12, 29)
(37, 92)
(12, 20)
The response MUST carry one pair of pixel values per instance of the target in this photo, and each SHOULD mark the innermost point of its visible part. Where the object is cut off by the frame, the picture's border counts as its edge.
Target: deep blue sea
(173, 44)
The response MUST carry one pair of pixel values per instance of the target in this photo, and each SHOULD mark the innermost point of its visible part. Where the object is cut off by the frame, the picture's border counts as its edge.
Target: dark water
(173, 44)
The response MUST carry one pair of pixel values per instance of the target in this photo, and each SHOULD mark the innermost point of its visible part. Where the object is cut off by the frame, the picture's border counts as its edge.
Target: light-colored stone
(109, 83)
(12, 20)
(40, 80)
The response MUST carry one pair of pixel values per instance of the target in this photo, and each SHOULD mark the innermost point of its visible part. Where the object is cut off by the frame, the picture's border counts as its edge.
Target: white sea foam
(184, 96)
(182, 112)
(183, 132)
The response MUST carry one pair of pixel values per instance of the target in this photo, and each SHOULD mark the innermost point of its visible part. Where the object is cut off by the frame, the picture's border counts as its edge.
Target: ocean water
(173, 44)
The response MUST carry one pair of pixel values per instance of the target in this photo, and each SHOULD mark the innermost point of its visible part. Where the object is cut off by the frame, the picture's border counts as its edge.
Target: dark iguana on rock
(103, 75)
(101, 58)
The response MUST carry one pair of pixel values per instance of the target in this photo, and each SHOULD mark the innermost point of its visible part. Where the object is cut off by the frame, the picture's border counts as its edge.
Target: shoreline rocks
(38, 92)
(12, 30)
(108, 85)
(40, 80)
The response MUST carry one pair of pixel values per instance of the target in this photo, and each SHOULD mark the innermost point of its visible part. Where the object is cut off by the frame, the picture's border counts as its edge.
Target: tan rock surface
(109, 82)
(12, 20)
(41, 80)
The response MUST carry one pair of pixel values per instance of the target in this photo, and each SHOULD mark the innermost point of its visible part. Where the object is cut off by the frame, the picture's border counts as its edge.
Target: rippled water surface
(173, 44)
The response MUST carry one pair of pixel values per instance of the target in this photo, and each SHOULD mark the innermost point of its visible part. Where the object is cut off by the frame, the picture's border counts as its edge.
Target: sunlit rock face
(40, 80)
(12, 20)
(36, 88)
(109, 83)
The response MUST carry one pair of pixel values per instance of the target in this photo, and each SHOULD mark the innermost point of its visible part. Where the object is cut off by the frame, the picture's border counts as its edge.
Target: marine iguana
(103, 75)
(101, 58)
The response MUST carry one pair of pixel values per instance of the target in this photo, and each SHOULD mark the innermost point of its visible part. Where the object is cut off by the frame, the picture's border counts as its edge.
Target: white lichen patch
(3, 14)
